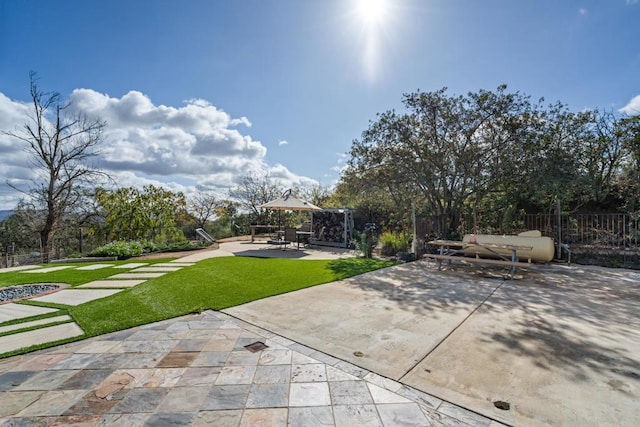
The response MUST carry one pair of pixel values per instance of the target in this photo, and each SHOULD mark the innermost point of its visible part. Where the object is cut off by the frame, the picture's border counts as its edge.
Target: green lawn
(214, 283)
(70, 276)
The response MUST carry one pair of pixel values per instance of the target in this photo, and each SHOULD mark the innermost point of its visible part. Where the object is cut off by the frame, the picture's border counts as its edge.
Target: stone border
(60, 286)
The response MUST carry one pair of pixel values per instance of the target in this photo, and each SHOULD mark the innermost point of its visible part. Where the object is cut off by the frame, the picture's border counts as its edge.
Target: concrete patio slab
(48, 269)
(156, 269)
(131, 265)
(76, 296)
(33, 323)
(39, 336)
(133, 275)
(176, 263)
(561, 346)
(18, 268)
(385, 321)
(94, 266)
(13, 311)
(120, 283)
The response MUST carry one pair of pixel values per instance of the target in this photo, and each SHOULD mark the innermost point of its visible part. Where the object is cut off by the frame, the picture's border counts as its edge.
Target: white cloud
(582, 11)
(633, 107)
(281, 174)
(341, 162)
(283, 142)
(629, 2)
(192, 147)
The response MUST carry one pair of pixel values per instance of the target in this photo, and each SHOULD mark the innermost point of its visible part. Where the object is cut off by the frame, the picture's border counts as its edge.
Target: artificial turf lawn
(214, 283)
(69, 275)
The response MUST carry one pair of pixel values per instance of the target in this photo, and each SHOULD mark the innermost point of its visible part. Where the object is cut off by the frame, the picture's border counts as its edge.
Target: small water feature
(13, 293)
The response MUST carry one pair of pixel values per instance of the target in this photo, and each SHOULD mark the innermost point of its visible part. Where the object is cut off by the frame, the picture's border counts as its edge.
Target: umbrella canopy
(287, 202)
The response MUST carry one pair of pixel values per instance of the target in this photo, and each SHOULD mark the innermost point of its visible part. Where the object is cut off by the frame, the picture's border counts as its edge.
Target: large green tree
(628, 130)
(446, 151)
(475, 162)
(147, 213)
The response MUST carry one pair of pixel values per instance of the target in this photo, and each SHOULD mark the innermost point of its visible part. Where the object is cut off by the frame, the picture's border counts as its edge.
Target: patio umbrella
(287, 202)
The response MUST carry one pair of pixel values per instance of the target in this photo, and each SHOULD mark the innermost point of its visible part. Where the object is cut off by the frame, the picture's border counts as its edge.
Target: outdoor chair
(305, 228)
(290, 235)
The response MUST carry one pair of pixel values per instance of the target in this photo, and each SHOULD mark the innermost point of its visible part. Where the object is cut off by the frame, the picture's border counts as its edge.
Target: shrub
(181, 246)
(366, 241)
(148, 246)
(120, 249)
(392, 243)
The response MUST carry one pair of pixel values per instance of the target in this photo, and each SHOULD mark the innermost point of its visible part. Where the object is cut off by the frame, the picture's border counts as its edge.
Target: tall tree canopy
(460, 156)
(150, 213)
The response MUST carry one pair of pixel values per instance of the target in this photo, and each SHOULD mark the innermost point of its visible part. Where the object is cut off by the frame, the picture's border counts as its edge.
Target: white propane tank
(542, 247)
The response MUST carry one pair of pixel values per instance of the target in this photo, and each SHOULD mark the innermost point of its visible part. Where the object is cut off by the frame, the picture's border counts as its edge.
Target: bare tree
(60, 144)
(316, 194)
(203, 207)
(254, 191)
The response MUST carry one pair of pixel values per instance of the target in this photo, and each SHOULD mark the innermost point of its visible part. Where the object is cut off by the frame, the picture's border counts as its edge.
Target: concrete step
(39, 336)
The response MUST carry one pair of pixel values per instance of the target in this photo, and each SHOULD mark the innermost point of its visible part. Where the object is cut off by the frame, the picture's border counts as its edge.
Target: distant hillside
(4, 214)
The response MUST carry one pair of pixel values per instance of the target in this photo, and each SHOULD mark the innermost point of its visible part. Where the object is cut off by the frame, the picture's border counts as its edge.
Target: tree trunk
(44, 241)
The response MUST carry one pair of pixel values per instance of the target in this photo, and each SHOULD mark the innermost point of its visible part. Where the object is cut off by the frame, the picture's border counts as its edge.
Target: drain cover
(358, 354)
(505, 406)
(256, 346)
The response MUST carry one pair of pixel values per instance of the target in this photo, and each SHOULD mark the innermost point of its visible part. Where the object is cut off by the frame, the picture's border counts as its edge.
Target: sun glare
(373, 20)
(372, 11)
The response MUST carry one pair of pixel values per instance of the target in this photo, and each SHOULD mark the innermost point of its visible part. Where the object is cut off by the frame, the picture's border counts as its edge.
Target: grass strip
(71, 276)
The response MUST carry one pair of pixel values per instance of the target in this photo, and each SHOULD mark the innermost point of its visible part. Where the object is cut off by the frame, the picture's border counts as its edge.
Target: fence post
(414, 243)
(559, 225)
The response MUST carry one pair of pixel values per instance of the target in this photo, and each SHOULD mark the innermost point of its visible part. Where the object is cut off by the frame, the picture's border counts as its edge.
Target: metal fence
(606, 231)
(611, 239)
(15, 260)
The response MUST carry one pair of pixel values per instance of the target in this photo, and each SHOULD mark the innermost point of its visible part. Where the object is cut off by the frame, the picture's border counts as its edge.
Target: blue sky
(199, 93)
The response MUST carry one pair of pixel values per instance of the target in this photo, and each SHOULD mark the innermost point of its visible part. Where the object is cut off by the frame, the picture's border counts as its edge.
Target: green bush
(148, 246)
(121, 249)
(184, 245)
(392, 243)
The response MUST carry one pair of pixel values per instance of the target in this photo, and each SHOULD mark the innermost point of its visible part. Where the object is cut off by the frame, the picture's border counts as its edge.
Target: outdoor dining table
(451, 250)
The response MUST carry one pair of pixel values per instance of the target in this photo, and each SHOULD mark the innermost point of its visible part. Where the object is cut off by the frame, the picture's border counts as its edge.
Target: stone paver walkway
(134, 275)
(156, 269)
(203, 370)
(131, 265)
(49, 331)
(24, 325)
(48, 269)
(120, 283)
(37, 336)
(76, 296)
(94, 266)
(13, 311)
(174, 264)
